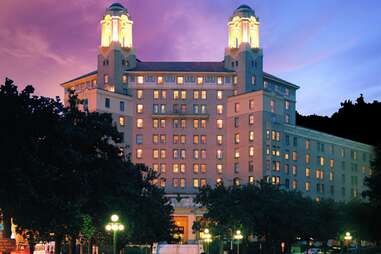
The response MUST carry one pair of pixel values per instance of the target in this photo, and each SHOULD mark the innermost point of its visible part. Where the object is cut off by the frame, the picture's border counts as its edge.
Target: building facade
(204, 123)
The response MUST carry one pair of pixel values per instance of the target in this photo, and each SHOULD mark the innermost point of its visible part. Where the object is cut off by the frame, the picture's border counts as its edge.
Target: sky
(330, 48)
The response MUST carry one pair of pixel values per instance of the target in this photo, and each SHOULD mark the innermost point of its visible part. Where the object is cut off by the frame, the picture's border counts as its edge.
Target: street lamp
(207, 237)
(114, 226)
(238, 237)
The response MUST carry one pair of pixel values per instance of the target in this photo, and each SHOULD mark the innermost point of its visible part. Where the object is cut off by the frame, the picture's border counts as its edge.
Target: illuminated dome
(116, 9)
(243, 11)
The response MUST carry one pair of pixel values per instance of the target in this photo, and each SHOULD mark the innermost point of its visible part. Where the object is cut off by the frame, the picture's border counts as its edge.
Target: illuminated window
(219, 139)
(196, 183)
(235, 80)
(139, 94)
(122, 121)
(124, 79)
(140, 80)
(106, 79)
(236, 154)
(251, 104)
(156, 94)
(182, 168)
(251, 151)
(294, 170)
(236, 181)
(286, 104)
(162, 123)
(203, 154)
(155, 153)
(294, 156)
(196, 95)
(175, 168)
(203, 139)
(219, 181)
(160, 80)
(155, 139)
(219, 80)
(220, 109)
(219, 123)
(236, 107)
(196, 154)
(203, 168)
(272, 106)
(139, 123)
(196, 123)
(203, 123)
(200, 80)
(294, 184)
(308, 186)
(219, 154)
(251, 135)
(164, 94)
(308, 158)
(236, 138)
(219, 168)
(251, 119)
(253, 80)
(196, 139)
(162, 182)
(176, 94)
(203, 182)
(180, 80)
(220, 95)
(175, 182)
(196, 168)
(322, 160)
(251, 179)
(183, 94)
(203, 94)
(183, 139)
(163, 154)
(139, 108)
(308, 172)
(139, 153)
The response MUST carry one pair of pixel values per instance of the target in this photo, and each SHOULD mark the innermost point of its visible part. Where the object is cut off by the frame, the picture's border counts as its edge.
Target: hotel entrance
(181, 229)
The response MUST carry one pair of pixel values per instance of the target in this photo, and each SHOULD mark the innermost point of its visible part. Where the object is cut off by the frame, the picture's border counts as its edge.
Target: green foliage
(67, 173)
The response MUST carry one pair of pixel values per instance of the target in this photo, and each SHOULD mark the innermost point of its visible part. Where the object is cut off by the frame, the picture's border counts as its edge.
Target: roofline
(80, 77)
(274, 78)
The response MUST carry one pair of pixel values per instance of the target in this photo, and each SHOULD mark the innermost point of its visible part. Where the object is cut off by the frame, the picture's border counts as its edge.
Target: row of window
(178, 154)
(180, 80)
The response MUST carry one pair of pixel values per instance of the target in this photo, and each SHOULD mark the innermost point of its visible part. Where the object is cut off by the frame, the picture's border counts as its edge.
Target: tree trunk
(57, 244)
(7, 223)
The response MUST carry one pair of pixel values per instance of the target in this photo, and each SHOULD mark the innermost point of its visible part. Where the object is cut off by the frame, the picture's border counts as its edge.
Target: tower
(243, 53)
(116, 52)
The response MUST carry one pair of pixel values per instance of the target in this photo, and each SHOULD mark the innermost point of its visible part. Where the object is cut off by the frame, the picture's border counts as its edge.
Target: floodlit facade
(204, 123)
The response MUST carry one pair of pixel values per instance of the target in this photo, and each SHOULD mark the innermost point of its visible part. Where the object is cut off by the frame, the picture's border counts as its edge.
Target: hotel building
(199, 123)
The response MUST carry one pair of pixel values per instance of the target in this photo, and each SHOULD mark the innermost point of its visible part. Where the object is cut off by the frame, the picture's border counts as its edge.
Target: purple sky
(330, 48)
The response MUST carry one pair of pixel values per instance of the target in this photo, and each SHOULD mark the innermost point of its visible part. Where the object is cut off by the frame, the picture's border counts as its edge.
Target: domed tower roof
(116, 9)
(243, 11)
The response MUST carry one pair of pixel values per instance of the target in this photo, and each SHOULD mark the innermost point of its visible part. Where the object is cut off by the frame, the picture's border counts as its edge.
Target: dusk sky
(331, 49)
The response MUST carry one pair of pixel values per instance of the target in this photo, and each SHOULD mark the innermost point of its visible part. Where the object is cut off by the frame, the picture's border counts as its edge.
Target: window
(308, 172)
(139, 123)
(236, 167)
(286, 104)
(106, 79)
(236, 122)
(155, 153)
(175, 168)
(140, 80)
(236, 107)
(219, 168)
(139, 139)
(159, 80)
(196, 123)
(203, 94)
(139, 153)
(176, 94)
(107, 103)
(200, 80)
(162, 123)
(196, 154)
(219, 154)
(235, 78)
(122, 121)
(124, 79)
(203, 139)
(253, 80)
(164, 94)
(251, 179)
(272, 106)
(196, 95)
(163, 139)
(219, 123)
(308, 186)
(196, 183)
(220, 109)
(180, 80)
(236, 138)
(236, 181)
(196, 168)
(251, 119)
(294, 184)
(251, 104)
(121, 106)
(183, 94)
(236, 154)
(219, 80)
(294, 170)
(139, 94)
(219, 139)
(220, 95)
(155, 139)
(163, 154)
(251, 151)
(156, 94)
(175, 182)
(139, 108)
(251, 136)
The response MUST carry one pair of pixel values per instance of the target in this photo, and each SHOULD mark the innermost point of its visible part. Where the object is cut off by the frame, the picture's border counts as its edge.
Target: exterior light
(114, 226)
(238, 237)
(348, 236)
(114, 218)
(207, 238)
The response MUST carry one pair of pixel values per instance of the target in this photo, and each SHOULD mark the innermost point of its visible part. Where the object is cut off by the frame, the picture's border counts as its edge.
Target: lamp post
(348, 238)
(207, 238)
(238, 237)
(114, 226)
